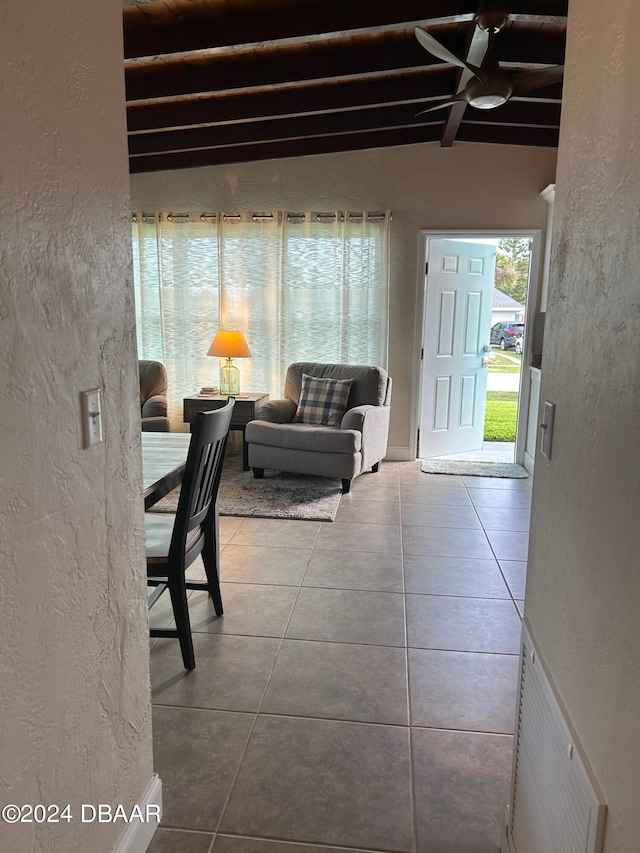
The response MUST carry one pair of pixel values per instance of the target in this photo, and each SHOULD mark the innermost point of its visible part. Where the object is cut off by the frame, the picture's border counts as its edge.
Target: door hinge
(422, 354)
(426, 268)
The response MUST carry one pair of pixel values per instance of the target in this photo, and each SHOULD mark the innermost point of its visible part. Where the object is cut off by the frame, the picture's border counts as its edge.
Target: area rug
(277, 495)
(506, 470)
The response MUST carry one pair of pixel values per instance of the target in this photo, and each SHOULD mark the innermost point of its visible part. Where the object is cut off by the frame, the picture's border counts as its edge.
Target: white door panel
(458, 303)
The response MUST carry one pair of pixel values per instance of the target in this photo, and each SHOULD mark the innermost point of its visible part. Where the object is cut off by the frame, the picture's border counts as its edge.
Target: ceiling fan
(489, 87)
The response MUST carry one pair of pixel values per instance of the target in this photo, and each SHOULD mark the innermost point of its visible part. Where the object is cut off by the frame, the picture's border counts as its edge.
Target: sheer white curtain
(310, 286)
(250, 247)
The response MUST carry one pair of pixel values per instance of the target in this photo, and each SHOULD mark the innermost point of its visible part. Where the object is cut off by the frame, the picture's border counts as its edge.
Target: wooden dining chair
(174, 541)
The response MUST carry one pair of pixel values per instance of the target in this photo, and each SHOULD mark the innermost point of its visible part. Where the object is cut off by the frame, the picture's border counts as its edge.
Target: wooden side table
(245, 410)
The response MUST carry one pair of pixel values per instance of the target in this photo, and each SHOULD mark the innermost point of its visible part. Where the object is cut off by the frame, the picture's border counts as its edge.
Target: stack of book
(209, 390)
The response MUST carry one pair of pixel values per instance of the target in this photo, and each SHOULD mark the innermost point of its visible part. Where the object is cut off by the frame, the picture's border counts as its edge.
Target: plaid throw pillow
(322, 401)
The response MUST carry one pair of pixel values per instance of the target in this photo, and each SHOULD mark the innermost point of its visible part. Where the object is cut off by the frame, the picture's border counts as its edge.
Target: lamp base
(229, 378)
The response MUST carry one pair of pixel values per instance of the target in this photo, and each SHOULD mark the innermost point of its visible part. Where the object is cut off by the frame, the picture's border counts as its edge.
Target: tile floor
(359, 691)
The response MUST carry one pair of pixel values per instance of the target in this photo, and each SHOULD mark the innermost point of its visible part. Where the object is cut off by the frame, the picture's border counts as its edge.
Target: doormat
(506, 470)
(277, 495)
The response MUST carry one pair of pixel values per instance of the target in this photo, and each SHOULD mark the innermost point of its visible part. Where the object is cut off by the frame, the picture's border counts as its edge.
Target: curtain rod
(295, 218)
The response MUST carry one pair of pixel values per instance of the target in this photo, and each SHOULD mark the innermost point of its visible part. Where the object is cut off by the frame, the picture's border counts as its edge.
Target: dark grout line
(461, 595)
(306, 717)
(182, 829)
(462, 731)
(319, 844)
(412, 774)
(462, 651)
(206, 710)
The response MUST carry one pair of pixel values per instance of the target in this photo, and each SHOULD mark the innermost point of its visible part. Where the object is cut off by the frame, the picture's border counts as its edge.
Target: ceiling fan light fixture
(488, 102)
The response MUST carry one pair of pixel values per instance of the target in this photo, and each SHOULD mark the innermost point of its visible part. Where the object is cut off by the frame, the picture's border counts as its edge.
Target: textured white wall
(425, 186)
(74, 696)
(583, 590)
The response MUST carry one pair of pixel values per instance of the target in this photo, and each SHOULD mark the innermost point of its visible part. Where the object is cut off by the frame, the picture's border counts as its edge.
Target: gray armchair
(359, 443)
(153, 396)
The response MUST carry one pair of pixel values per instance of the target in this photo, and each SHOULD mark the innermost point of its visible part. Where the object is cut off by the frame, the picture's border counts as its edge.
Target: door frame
(533, 300)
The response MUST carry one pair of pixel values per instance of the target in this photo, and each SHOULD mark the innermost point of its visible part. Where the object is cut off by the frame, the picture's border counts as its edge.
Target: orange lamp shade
(229, 344)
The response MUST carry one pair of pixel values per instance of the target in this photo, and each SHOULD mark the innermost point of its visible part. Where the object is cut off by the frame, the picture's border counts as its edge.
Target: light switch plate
(546, 428)
(91, 418)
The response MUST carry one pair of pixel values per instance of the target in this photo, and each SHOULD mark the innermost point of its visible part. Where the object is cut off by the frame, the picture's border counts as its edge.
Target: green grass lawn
(500, 364)
(500, 416)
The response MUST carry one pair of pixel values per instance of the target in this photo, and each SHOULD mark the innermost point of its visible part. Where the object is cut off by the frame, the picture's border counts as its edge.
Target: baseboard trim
(137, 836)
(399, 454)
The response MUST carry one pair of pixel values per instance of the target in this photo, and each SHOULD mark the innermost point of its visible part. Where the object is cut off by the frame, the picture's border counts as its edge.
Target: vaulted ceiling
(226, 81)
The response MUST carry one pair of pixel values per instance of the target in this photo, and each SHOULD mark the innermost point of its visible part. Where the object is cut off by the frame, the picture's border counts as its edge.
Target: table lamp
(229, 344)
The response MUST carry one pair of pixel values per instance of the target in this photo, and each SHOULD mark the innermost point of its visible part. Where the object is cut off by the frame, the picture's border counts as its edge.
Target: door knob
(486, 348)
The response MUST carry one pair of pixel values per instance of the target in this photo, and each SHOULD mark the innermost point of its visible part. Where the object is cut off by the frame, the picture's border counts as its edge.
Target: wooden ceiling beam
(417, 88)
(206, 27)
(401, 115)
(160, 28)
(490, 134)
(289, 148)
(327, 61)
(256, 71)
(204, 139)
(277, 132)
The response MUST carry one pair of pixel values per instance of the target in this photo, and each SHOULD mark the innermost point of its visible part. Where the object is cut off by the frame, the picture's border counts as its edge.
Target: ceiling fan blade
(436, 49)
(455, 100)
(528, 80)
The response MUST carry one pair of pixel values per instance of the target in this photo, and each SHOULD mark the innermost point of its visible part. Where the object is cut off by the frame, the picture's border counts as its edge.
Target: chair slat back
(200, 482)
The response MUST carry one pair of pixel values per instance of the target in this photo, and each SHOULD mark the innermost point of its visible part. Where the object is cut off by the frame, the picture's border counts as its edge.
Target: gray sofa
(153, 396)
(358, 444)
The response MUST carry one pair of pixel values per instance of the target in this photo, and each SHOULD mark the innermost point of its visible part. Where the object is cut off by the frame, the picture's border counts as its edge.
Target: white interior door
(459, 295)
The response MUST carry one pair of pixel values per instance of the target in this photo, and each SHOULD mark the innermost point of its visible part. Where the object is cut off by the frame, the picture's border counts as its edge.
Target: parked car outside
(505, 335)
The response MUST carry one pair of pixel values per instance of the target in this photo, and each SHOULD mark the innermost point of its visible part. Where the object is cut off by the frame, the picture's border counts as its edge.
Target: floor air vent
(556, 804)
